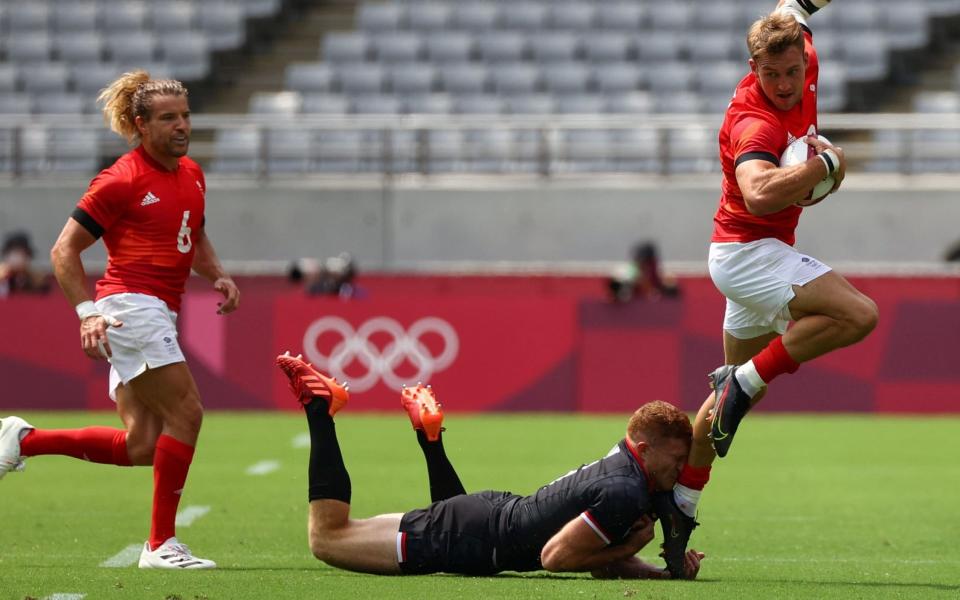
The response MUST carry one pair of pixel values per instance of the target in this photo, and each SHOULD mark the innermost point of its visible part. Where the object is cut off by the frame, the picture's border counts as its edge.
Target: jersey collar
(152, 161)
(636, 456)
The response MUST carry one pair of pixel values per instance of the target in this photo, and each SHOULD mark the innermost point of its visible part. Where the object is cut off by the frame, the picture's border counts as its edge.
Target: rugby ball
(800, 152)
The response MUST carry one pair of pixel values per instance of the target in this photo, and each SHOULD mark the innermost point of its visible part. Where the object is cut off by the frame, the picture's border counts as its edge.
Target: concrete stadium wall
(550, 222)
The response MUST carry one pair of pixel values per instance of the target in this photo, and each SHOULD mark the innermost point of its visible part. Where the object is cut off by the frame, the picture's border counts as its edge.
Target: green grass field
(804, 507)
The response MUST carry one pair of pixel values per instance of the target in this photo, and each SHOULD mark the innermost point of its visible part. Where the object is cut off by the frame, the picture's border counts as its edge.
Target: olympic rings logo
(381, 364)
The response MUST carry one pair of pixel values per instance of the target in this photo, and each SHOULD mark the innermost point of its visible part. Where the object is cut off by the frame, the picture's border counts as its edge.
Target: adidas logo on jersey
(149, 199)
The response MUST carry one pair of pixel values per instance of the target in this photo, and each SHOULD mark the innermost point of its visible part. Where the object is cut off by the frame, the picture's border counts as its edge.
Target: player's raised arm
(207, 265)
(578, 547)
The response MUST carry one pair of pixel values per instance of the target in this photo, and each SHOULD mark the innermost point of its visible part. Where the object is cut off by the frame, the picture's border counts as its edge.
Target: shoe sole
(301, 374)
(426, 410)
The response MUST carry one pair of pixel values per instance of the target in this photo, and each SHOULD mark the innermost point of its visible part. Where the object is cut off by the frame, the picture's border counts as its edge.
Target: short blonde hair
(773, 35)
(658, 420)
(131, 96)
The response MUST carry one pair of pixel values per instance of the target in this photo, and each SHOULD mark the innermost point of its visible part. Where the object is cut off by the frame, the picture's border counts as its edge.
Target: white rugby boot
(12, 429)
(172, 555)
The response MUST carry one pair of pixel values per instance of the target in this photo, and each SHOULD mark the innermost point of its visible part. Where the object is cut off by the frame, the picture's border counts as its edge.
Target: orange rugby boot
(307, 383)
(424, 410)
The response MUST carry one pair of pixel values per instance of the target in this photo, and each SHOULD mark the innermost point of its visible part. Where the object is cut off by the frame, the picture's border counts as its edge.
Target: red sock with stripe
(774, 360)
(689, 486)
(171, 463)
(104, 445)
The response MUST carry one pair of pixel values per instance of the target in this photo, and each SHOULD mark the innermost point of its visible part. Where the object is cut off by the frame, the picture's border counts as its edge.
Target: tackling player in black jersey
(595, 518)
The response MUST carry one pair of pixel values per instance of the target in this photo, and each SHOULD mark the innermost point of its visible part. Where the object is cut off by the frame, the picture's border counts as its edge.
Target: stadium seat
(525, 16)
(580, 104)
(669, 77)
(555, 46)
(832, 87)
(676, 17)
(339, 151)
(324, 104)
(568, 77)
(131, 47)
(444, 150)
(636, 150)
(60, 103)
(187, 53)
(584, 150)
(464, 78)
(376, 104)
(727, 21)
(712, 47)
(859, 17)
(29, 47)
(719, 77)
(224, 23)
(172, 17)
(45, 78)
(503, 46)
(289, 150)
(16, 103)
(412, 78)
(693, 150)
(865, 56)
(515, 78)
(572, 16)
(678, 102)
(486, 150)
(82, 46)
(237, 151)
(632, 102)
(124, 17)
(449, 46)
(89, 78)
(33, 148)
(73, 150)
(27, 17)
(361, 78)
(378, 17)
(9, 78)
(275, 103)
(934, 151)
(618, 77)
(353, 46)
(605, 46)
(476, 16)
(429, 104)
(429, 16)
(397, 46)
(659, 46)
(76, 17)
(478, 104)
(626, 16)
(530, 104)
(261, 8)
(937, 102)
(907, 26)
(309, 77)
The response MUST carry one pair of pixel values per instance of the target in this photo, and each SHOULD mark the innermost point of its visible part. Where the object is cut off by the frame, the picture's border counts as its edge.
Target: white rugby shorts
(148, 337)
(758, 278)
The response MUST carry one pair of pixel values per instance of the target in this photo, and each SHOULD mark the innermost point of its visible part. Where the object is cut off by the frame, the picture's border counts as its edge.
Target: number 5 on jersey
(184, 243)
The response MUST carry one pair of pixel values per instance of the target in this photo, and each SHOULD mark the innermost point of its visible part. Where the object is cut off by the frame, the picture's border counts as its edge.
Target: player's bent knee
(865, 319)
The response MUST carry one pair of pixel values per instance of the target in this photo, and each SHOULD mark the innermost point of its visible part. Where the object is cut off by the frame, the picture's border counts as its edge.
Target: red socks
(171, 462)
(774, 360)
(694, 478)
(104, 445)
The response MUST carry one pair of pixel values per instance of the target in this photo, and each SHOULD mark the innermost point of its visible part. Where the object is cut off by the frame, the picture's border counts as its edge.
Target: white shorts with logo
(758, 278)
(148, 337)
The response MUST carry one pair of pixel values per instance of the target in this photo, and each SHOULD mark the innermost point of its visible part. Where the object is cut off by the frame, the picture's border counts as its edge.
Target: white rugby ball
(800, 152)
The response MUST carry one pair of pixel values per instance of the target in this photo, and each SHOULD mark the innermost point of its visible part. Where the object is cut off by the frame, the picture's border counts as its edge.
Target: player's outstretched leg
(12, 430)
(426, 416)
(676, 527)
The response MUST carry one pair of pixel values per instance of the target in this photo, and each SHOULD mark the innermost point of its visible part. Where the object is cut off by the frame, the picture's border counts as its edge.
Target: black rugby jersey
(609, 495)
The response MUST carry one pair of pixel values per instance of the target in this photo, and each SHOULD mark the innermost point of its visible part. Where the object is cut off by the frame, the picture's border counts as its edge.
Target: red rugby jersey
(148, 217)
(754, 129)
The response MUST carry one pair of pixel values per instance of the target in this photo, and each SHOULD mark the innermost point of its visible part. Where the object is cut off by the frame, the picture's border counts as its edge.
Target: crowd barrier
(509, 343)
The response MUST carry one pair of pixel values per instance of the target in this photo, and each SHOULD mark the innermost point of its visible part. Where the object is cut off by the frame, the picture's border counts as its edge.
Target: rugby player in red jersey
(752, 261)
(595, 518)
(149, 209)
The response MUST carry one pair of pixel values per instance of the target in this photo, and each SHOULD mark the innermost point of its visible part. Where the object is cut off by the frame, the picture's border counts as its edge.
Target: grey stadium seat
(573, 16)
(719, 77)
(310, 77)
(527, 16)
(261, 8)
(515, 78)
(623, 76)
(866, 56)
(555, 46)
(674, 16)
(431, 104)
(584, 150)
(907, 26)
(60, 103)
(275, 103)
(33, 148)
(450, 46)
(859, 17)
(566, 77)
(23, 17)
(289, 150)
(45, 78)
(16, 103)
(476, 16)
(937, 102)
(668, 77)
(30, 47)
(632, 102)
(376, 104)
(89, 78)
(380, 16)
(124, 17)
(400, 46)
(237, 151)
(478, 104)
(486, 150)
(429, 16)
(173, 17)
(502, 46)
(83, 46)
(678, 102)
(659, 46)
(726, 21)
(606, 46)
(188, 53)
(692, 150)
(73, 150)
(340, 151)
(712, 46)
(636, 150)
(581, 104)
(325, 104)
(361, 78)
(530, 104)
(444, 150)
(9, 78)
(353, 46)
(464, 78)
(224, 23)
(131, 48)
(626, 16)
(76, 17)
(832, 87)
(413, 78)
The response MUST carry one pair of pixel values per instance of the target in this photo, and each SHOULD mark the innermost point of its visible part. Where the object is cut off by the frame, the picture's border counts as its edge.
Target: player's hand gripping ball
(800, 152)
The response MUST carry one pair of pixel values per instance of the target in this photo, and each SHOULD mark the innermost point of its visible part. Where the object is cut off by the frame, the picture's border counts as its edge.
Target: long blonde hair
(131, 96)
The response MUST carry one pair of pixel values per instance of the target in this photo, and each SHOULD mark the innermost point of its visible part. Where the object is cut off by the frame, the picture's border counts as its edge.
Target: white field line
(131, 553)
(124, 558)
(263, 467)
(65, 597)
(798, 560)
(189, 514)
(301, 440)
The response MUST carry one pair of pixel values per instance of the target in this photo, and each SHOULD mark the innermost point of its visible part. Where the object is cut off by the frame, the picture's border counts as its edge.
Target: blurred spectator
(16, 273)
(330, 277)
(953, 252)
(641, 279)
